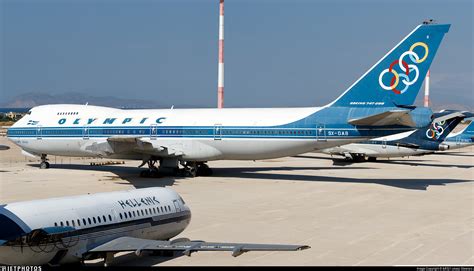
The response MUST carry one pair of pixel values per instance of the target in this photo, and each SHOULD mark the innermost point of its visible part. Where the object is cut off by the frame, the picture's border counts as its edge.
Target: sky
(277, 53)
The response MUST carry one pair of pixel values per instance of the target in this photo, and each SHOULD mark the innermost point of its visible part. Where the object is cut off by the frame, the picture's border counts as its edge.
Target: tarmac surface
(407, 211)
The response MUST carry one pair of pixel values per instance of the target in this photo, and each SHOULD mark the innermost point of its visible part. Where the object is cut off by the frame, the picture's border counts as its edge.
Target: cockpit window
(9, 229)
(29, 112)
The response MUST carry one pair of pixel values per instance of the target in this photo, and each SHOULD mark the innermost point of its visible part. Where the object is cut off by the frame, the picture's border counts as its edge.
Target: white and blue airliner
(379, 103)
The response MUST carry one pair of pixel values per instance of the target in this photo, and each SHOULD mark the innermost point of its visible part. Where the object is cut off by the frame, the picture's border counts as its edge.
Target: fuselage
(68, 227)
(195, 134)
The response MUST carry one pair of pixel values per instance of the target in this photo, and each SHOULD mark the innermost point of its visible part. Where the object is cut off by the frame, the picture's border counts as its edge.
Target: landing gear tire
(191, 172)
(203, 170)
(358, 158)
(44, 162)
(372, 159)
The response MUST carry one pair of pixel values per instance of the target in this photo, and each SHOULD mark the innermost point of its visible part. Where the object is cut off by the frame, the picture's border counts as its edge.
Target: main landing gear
(44, 162)
(193, 169)
(170, 167)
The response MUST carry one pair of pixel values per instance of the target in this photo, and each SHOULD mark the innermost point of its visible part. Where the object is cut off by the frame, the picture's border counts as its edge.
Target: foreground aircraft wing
(138, 144)
(392, 117)
(186, 246)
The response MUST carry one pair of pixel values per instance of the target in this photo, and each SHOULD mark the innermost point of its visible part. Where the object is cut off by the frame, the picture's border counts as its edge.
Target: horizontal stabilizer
(392, 117)
(187, 247)
(455, 114)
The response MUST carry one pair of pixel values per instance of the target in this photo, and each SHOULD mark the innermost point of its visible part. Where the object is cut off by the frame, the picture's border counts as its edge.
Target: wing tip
(303, 247)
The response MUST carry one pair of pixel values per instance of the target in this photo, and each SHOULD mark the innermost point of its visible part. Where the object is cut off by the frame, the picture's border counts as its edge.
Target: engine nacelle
(443, 147)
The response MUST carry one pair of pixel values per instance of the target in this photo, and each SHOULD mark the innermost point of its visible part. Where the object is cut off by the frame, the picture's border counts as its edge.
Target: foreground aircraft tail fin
(396, 78)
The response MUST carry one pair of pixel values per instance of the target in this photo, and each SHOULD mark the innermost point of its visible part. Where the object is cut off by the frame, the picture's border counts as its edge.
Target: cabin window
(67, 223)
(134, 214)
(105, 220)
(98, 219)
(62, 224)
(110, 218)
(89, 219)
(120, 215)
(130, 214)
(125, 215)
(93, 219)
(162, 209)
(84, 221)
(142, 213)
(55, 224)
(73, 223)
(157, 210)
(78, 222)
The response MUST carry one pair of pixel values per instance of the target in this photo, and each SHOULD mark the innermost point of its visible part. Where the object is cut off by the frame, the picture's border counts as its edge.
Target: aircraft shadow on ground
(128, 174)
(131, 175)
(256, 173)
(130, 259)
(424, 163)
(455, 154)
(408, 162)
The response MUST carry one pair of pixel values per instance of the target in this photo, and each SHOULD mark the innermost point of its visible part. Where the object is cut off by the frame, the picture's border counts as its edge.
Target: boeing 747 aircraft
(413, 143)
(379, 103)
(71, 229)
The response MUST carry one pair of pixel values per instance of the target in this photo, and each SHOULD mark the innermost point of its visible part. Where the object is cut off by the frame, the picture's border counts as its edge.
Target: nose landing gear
(44, 162)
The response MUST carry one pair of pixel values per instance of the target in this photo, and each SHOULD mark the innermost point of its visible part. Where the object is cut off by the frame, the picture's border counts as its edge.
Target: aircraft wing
(392, 117)
(186, 246)
(138, 144)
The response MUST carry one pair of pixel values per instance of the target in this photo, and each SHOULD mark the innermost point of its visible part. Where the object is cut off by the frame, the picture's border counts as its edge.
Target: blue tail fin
(395, 80)
(438, 131)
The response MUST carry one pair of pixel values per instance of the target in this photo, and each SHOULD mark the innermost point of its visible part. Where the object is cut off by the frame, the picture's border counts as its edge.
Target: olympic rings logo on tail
(407, 69)
(436, 130)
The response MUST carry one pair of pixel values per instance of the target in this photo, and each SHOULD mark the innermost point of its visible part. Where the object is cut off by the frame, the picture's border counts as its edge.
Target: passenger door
(321, 132)
(153, 131)
(39, 132)
(218, 132)
(85, 132)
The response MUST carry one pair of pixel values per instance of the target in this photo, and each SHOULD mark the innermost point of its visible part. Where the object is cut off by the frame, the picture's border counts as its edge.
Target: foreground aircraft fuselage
(379, 103)
(70, 229)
